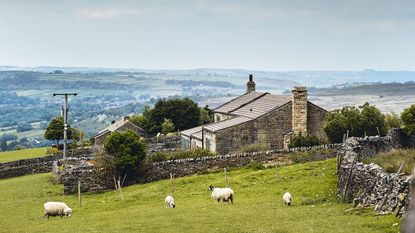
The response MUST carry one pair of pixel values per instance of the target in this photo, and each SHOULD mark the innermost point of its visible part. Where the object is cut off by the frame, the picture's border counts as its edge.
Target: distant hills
(309, 78)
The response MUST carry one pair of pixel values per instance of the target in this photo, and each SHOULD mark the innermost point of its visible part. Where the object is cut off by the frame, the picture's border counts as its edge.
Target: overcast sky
(180, 34)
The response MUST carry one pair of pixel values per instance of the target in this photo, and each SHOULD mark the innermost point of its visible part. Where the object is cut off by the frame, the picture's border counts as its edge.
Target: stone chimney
(299, 110)
(250, 85)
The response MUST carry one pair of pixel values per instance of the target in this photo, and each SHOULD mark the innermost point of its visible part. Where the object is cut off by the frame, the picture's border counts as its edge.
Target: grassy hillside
(258, 205)
(22, 154)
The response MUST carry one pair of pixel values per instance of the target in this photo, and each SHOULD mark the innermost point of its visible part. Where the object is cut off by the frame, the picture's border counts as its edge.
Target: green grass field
(8, 156)
(258, 205)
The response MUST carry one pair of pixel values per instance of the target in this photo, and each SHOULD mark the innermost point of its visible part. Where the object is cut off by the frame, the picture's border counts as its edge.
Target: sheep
(222, 194)
(170, 202)
(57, 209)
(287, 198)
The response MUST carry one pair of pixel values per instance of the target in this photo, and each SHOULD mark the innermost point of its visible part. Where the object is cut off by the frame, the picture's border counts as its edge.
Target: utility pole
(65, 121)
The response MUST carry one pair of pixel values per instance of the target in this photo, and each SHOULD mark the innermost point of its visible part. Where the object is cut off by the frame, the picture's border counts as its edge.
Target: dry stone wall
(37, 165)
(368, 184)
(190, 166)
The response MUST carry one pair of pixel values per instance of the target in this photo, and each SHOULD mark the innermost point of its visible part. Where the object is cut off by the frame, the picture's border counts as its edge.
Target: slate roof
(226, 123)
(114, 127)
(193, 132)
(239, 102)
(261, 105)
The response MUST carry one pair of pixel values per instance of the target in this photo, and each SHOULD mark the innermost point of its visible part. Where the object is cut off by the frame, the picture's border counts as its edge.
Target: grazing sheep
(170, 202)
(222, 194)
(287, 198)
(57, 209)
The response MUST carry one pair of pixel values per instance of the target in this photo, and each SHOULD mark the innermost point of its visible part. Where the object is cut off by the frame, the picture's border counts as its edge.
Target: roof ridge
(232, 100)
(251, 101)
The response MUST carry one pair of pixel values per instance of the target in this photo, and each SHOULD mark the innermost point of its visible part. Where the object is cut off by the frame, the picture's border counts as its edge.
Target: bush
(303, 141)
(393, 120)
(127, 151)
(408, 119)
(180, 154)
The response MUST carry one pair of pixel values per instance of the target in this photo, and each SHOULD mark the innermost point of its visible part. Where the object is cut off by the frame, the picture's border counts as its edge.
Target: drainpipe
(203, 138)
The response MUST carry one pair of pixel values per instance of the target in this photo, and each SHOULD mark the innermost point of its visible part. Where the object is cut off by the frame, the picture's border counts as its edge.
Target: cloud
(107, 13)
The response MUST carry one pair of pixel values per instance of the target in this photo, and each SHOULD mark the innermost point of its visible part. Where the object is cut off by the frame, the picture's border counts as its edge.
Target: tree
(184, 113)
(167, 126)
(365, 120)
(54, 130)
(127, 150)
(335, 126)
(206, 115)
(22, 127)
(393, 120)
(3, 145)
(408, 120)
(372, 121)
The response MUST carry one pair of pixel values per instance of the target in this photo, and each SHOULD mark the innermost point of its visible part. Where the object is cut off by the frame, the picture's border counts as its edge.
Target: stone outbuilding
(257, 118)
(117, 126)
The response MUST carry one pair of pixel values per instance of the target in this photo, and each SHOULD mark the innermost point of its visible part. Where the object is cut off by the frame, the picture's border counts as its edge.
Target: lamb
(57, 209)
(170, 202)
(222, 194)
(287, 198)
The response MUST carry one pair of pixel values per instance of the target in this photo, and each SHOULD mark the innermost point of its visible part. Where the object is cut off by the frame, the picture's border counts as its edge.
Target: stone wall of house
(230, 139)
(315, 119)
(221, 117)
(369, 184)
(162, 143)
(36, 165)
(272, 127)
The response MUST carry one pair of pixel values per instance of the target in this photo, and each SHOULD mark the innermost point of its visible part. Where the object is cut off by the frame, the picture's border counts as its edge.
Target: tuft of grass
(310, 155)
(8, 156)
(252, 148)
(180, 154)
(391, 161)
(258, 205)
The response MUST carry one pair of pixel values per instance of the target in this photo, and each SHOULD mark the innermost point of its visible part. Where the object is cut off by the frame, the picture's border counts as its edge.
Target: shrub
(393, 120)
(303, 141)
(127, 151)
(408, 119)
(180, 154)
(167, 126)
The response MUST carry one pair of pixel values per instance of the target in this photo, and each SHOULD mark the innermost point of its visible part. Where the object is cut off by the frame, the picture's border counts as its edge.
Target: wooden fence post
(172, 185)
(390, 187)
(226, 178)
(79, 193)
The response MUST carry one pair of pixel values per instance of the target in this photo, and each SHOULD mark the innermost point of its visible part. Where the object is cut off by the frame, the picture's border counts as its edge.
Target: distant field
(22, 154)
(258, 205)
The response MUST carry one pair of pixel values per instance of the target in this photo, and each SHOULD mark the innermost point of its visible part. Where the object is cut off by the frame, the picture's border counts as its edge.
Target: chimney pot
(250, 85)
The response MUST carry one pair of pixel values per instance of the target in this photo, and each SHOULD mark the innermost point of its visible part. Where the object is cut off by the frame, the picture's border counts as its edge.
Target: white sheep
(222, 194)
(57, 209)
(170, 202)
(287, 198)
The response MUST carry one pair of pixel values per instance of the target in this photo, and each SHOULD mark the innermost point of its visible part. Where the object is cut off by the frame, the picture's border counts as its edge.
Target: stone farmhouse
(119, 126)
(257, 118)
